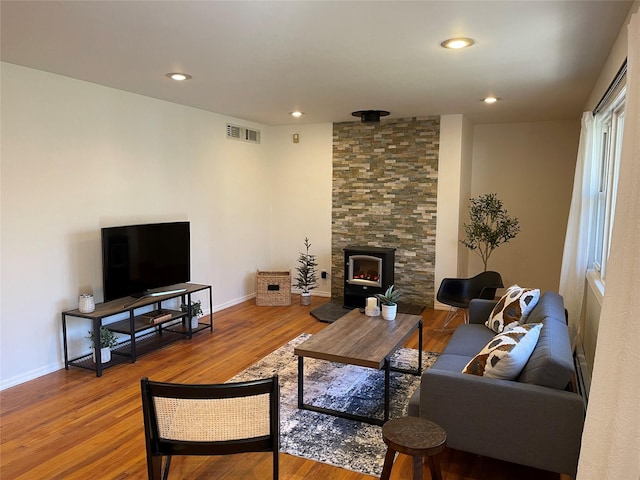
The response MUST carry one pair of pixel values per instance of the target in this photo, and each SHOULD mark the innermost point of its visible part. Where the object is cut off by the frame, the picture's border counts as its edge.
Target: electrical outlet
(323, 274)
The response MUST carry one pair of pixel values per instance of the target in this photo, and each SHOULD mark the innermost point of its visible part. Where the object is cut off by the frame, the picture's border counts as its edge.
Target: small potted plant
(194, 313)
(306, 279)
(389, 300)
(108, 340)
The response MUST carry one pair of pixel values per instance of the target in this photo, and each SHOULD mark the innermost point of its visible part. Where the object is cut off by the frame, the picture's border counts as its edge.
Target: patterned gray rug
(344, 443)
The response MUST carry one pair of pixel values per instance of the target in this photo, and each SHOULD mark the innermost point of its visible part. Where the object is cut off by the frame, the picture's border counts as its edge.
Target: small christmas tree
(306, 279)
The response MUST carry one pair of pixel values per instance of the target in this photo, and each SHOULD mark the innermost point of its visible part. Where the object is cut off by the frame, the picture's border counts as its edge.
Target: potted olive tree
(490, 226)
(389, 301)
(108, 340)
(307, 275)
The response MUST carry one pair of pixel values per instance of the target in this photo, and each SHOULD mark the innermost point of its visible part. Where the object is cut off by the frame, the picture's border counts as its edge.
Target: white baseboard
(320, 293)
(231, 303)
(440, 306)
(31, 375)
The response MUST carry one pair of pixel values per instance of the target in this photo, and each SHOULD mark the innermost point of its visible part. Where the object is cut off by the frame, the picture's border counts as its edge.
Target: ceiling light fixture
(458, 43)
(179, 77)
(296, 114)
(490, 99)
(370, 116)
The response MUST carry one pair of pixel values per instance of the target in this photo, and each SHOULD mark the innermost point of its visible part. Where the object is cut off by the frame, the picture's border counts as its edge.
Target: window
(609, 123)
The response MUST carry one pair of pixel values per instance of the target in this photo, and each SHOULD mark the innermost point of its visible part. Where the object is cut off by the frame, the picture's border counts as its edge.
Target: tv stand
(142, 335)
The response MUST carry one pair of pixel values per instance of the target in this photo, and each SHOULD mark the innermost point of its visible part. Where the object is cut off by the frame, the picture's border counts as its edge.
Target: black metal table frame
(351, 416)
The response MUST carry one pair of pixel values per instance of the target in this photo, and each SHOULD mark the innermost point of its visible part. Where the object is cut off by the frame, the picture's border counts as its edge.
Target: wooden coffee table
(357, 339)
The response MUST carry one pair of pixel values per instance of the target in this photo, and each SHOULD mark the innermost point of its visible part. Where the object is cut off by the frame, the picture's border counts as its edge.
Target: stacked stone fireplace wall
(385, 178)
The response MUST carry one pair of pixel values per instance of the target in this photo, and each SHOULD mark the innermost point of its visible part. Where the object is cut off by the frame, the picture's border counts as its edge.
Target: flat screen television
(139, 258)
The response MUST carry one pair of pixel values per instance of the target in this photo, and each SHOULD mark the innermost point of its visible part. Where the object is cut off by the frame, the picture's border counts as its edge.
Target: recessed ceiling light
(490, 99)
(458, 43)
(297, 114)
(179, 77)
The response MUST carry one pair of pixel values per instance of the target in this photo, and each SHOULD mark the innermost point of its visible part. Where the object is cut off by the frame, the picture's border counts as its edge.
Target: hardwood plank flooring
(71, 425)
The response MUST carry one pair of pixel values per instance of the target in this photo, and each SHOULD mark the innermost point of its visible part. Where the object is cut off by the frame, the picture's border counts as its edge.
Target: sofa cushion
(450, 363)
(467, 340)
(513, 308)
(549, 305)
(506, 354)
(551, 363)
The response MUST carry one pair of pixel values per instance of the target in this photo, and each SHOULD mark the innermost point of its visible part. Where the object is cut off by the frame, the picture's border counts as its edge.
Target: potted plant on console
(306, 279)
(108, 340)
(389, 300)
(194, 312)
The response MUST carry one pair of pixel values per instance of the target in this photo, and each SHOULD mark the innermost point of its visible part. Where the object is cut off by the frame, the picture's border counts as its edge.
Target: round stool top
(414, 436)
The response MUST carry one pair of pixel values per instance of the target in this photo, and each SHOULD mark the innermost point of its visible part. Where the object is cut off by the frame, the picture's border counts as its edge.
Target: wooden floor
(72, 425)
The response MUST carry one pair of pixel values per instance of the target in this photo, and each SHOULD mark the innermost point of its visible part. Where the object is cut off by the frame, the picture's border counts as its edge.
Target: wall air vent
(233, 131)
(252, 135)
(245, 134)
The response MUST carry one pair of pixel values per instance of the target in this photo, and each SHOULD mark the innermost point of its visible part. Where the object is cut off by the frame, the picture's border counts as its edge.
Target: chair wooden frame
(155, 393)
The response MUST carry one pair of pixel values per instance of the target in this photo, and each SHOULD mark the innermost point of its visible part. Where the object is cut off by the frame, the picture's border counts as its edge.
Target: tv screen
(138, 258)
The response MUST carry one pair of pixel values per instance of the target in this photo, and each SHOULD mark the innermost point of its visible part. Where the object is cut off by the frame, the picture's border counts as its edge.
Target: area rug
(324, 438)
(332, 310)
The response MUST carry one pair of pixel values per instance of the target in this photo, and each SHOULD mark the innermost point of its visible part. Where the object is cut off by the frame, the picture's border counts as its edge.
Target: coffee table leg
(419, 347)
(387, 369)
(300, 381)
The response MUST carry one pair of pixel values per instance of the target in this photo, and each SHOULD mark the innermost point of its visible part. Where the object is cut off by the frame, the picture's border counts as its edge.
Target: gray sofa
(534, 420)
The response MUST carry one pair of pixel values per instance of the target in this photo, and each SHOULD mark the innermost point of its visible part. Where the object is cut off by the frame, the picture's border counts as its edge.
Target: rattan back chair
(216, 419)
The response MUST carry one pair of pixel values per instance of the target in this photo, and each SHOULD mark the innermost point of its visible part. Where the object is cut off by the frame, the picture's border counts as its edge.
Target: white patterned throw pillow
(513, 308)
(506, 354)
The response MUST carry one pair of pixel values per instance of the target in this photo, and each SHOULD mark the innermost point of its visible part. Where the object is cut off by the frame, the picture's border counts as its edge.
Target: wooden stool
(417, 437)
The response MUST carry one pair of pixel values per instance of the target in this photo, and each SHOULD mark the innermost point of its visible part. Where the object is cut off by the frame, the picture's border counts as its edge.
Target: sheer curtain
(611, 438)
(576, 242)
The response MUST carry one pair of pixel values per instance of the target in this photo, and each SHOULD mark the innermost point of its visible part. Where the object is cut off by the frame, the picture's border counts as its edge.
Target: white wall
(465, 194)
(454, 162)
(530, 166)
(77, 157)
(301, 178)
(617, 55)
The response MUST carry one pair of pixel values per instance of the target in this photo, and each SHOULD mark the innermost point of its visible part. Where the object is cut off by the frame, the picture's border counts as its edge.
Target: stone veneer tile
(385, 179)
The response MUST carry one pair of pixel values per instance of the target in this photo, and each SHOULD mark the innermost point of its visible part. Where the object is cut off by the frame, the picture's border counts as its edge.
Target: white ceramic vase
(194, 322)
(305, 298)
(389, 311)
(105, 355)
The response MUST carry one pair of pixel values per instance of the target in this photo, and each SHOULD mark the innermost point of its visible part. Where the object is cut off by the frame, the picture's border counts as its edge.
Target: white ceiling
(261, 60)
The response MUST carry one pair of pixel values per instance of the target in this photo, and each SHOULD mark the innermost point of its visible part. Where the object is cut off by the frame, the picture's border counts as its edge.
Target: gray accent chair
(534, 420)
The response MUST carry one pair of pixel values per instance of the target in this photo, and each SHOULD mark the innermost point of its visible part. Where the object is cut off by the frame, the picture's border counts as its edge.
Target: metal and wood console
(142, 336)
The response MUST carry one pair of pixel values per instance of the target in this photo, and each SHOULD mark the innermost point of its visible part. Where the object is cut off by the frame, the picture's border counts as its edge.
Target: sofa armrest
(521, 423)
(480, 309)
